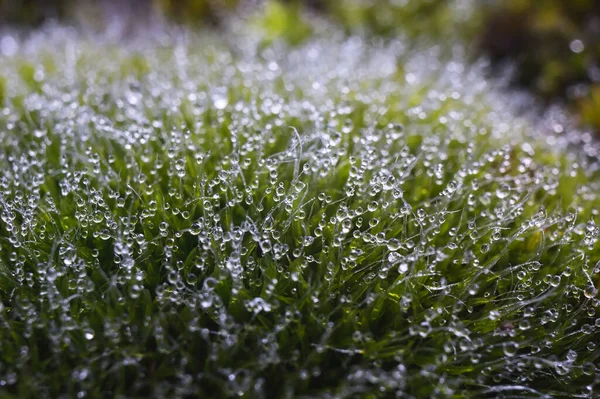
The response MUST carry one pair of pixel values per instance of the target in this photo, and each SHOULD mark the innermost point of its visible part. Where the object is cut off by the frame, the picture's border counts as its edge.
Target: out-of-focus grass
(433, 18)
(554, 47)
(445, 20)
(37, 12)
(195, 11)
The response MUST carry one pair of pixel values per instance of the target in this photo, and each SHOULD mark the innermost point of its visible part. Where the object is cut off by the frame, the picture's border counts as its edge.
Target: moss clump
(238, 217)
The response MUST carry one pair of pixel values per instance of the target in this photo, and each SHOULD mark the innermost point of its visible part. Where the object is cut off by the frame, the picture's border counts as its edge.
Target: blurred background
(552, 46)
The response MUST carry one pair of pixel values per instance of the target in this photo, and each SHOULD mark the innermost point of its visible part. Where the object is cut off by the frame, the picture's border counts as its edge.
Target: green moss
(229, 215)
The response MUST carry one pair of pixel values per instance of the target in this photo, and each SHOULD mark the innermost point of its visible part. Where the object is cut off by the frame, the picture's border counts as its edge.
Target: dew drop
(220, 101)
(510, 348)
(393, 244)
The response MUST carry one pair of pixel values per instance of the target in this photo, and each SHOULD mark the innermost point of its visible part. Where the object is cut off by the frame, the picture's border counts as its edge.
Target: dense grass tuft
(230, 216)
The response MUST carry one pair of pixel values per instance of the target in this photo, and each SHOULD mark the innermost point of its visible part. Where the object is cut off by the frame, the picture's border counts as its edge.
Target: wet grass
(231, 216)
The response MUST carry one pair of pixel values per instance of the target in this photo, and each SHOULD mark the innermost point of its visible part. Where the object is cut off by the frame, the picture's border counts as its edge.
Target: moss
(231, 215)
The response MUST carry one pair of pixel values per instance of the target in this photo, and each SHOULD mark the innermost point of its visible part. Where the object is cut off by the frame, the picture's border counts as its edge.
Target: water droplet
(265, 246)
(89, 334)
(494, 315)
(195, 228)
(220, 101)
(503, 191)
(555, 280)
(590, 292)
(402, 268)
(393, 244)
(577, 46)
(372, 207)
(524, 325)
(510, 348)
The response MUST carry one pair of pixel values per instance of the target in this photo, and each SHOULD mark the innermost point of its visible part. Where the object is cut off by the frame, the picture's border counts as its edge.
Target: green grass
(225, 215)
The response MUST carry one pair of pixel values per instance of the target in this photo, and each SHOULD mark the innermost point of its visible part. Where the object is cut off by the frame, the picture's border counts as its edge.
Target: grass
(225, 215)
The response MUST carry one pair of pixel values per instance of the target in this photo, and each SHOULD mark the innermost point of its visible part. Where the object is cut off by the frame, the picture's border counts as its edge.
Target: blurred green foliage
(284, 21)
(36, 12)
(433, 18)
(555, 46)
(380, 17)
(193, 11)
